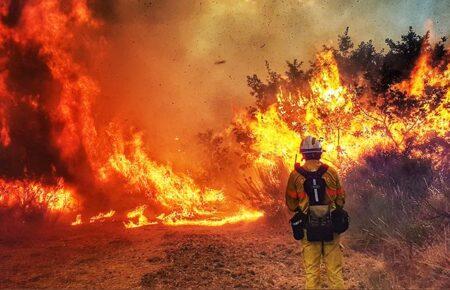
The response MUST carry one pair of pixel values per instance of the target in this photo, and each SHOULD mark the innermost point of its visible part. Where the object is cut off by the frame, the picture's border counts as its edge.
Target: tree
(345, 42)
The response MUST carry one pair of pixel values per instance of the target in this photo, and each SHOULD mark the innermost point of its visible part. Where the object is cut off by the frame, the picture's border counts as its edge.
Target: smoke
(170, 68)
(178, 67)
(32, 88)
(14, 11)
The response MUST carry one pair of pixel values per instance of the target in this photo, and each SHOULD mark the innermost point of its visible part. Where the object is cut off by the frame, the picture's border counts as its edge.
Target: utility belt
(319, 226)
(320, 223)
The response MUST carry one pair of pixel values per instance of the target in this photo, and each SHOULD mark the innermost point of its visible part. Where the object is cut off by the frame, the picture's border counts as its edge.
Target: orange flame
(57, 197)
(177, 193)
(332, 112)
(138, 218)
(77, 221)
(424, 75)
(101, 217)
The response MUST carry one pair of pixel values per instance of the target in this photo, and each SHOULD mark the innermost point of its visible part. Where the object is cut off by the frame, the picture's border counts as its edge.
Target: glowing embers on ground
(99, 218)
(27, 193)
(77, 221)
(102, 216)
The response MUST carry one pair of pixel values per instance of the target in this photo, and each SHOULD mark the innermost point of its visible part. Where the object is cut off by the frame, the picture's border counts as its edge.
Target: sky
(162, 70)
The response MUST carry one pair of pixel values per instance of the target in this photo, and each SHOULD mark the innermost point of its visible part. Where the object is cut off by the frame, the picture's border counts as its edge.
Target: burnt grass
(106, 255)
(213, 260)
(244, 257)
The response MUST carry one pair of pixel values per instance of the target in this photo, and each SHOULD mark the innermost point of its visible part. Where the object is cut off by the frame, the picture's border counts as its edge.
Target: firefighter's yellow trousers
(331, 254)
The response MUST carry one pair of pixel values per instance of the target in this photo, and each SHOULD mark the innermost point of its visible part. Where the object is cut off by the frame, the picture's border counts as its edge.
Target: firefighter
(315, 192)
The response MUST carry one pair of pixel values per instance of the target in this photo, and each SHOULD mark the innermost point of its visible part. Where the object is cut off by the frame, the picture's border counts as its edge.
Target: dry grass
(265, 190)
(24, 213)
(398, 209)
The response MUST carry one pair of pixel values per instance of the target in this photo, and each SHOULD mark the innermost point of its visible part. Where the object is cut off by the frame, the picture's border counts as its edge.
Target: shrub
(397, 208)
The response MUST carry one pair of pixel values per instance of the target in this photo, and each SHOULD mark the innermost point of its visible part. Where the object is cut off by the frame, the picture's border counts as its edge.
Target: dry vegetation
(108, 256)
(397, 239)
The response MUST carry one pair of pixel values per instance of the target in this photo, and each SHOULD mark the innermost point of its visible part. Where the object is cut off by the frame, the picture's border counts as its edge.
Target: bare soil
(109, 256)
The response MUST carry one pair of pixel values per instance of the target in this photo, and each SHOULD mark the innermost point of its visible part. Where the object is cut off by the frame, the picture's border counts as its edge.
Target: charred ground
(253, 255)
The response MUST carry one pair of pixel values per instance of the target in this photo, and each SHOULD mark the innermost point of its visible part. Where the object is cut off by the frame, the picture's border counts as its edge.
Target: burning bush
(355, 99)
(265, 189)
(27, 203)
(360, 102)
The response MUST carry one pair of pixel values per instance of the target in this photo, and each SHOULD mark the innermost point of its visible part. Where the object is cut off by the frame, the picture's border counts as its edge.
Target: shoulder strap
(302, 171)
(322, 169)
(311, 174)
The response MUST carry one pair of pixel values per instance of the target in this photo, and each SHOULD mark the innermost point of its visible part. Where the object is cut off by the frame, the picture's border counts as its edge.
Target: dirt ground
(109, 256)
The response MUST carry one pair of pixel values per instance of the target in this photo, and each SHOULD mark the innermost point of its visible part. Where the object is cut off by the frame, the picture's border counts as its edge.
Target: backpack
(319, 225)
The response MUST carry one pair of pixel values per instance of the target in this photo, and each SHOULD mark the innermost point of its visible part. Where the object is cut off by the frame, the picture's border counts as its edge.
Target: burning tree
(359, 100)
(356, 99)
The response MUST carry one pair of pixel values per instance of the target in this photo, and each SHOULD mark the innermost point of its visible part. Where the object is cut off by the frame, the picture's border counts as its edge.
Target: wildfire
(138, 218)
(73, 133)
(101, 217)
(77, 221)
(26, 193)
(186, 202)
(64, 143)
(332, 111)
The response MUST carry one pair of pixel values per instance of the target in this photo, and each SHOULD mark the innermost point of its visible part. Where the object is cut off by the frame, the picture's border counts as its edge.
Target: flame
(101, 217)
(273, 136)
(78, 91)
(423, 75)
(331, 111)
(77, 221)
(185, 201)
(328, 109)
(242, 215)
(5, 140)
(57, 198)
(326, 85)
(137, 218)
